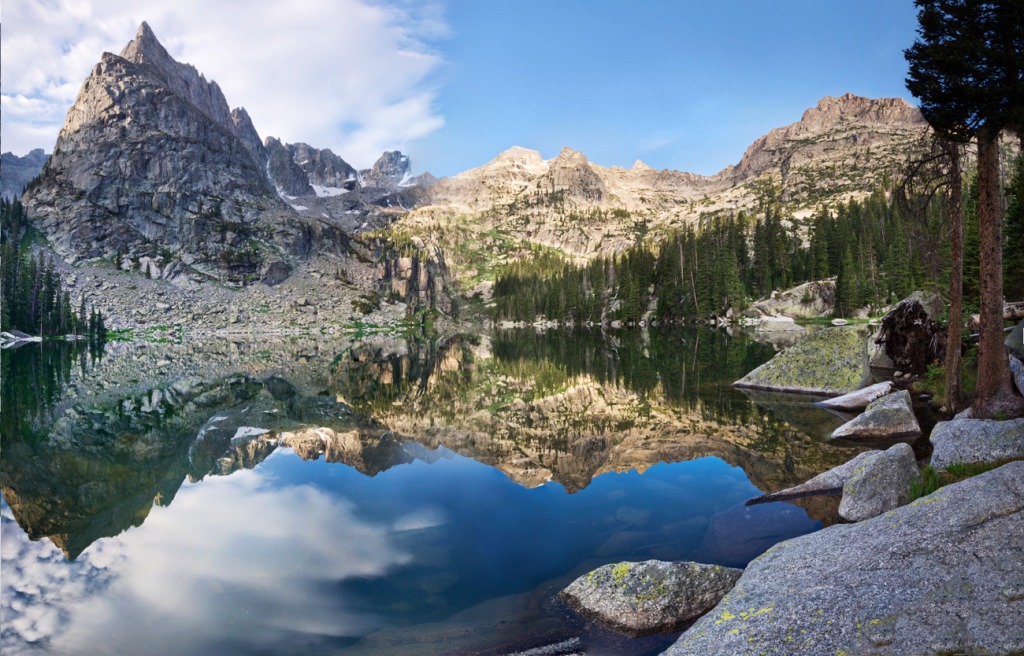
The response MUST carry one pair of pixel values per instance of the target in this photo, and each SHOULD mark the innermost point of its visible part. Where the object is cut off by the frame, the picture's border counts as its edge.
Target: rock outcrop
(939, 576)
(650, 597)
(830, 482)
(16, 172)
(832, 361)
(879, 483)
(150, 153)
(889, 417)
(811, 299)
(976, 441)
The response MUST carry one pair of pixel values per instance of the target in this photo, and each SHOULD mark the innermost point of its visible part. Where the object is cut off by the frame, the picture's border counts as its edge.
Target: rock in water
(942, 575)
(889, 417)
(976, 440)
(879, 484)
(859, 399)
(831, 361)
(650, 597)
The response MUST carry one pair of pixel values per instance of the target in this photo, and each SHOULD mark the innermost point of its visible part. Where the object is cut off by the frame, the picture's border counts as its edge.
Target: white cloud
(356, 76)
(227, 551)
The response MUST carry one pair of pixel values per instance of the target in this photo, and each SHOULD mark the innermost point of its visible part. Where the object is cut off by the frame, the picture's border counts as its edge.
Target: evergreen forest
(33, 297)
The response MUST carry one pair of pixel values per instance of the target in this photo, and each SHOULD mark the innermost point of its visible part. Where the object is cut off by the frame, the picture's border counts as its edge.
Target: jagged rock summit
(153, 166)
(150, 154)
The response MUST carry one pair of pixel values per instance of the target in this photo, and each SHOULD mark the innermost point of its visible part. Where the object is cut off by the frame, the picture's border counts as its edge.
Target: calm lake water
(382, 496)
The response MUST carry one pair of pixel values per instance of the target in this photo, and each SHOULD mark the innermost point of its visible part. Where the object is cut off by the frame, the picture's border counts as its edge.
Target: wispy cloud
(357, 76)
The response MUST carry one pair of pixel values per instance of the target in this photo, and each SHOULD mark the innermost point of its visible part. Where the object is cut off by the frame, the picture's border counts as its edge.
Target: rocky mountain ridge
(16, 172)
(840, 149)
(153, 171)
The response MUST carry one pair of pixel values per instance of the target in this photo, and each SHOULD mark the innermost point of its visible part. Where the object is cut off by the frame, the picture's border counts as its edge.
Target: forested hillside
(878, 250)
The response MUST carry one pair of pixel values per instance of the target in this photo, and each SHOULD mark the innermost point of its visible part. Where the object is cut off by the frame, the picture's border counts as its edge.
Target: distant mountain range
(151, 162)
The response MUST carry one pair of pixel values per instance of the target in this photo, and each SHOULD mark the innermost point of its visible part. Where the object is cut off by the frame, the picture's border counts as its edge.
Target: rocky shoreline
(909, 573)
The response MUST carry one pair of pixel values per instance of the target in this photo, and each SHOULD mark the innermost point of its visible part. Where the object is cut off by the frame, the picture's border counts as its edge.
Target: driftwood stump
(911, 337)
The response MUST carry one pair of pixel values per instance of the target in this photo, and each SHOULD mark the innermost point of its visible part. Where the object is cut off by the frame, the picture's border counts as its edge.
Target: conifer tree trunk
(995, 394)
(954, 334)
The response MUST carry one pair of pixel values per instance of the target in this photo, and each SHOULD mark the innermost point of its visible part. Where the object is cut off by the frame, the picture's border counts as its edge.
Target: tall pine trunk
(995, 393)
(954, 334)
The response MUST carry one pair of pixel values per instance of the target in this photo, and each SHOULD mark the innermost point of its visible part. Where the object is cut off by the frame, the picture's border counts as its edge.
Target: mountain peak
(145, 48)
(640, 166)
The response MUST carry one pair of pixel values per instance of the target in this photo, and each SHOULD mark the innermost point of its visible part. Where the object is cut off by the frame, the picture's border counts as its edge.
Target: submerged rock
(831, 361)
(859, 399)
(649, 597)
(889, 417)
(879, 483)
(939, 576)
(976, 440)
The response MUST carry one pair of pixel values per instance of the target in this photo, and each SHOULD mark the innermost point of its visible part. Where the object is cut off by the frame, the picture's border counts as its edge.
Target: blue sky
(679, 84)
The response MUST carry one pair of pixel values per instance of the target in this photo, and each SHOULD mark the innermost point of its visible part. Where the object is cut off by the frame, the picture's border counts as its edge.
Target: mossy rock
(830, 362)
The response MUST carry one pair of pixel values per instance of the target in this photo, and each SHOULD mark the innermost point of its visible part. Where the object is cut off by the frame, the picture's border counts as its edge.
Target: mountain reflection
(90, 454)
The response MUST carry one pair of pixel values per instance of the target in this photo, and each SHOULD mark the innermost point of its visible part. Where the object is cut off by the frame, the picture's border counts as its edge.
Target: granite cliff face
(150, 154)
(153, 170)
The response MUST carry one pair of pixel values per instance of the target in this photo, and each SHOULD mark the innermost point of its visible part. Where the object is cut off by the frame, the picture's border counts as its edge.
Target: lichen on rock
(831, 361)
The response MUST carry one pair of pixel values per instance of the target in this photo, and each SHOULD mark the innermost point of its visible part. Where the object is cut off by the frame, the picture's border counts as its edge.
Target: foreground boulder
(859, 399)
(650, 597)
(976, 440)
(942, 575)
(889, 417)
(831, 361)
(880, 483)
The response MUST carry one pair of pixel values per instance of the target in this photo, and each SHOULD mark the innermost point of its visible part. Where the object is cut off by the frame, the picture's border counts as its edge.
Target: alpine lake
(380, 495)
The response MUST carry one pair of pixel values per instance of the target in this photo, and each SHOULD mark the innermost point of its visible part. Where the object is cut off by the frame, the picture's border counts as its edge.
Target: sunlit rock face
(151, 151)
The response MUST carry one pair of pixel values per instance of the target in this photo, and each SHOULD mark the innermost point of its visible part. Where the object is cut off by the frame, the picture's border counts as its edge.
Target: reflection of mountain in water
(539, 407)
(570, 406)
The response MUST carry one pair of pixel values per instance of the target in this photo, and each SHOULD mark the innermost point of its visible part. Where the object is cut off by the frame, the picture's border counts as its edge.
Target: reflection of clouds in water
(232, 562)
(36, 586)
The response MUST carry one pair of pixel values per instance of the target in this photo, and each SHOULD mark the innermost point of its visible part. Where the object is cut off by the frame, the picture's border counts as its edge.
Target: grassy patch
(932, 480)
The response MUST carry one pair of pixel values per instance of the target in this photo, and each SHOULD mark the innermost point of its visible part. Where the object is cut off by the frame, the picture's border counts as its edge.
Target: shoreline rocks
(650, 597)
(831, 362)
(879, 484)
(888, 417)
(941, 575)
(976, 441)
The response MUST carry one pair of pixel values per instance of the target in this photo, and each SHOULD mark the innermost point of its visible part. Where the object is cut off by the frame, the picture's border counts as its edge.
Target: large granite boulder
(860, 399)
(943, 575)
(976, 440)
(889, 417)
(831, 361)
(811, 299)
(650, 597)
(879, 484)
(829, 482)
